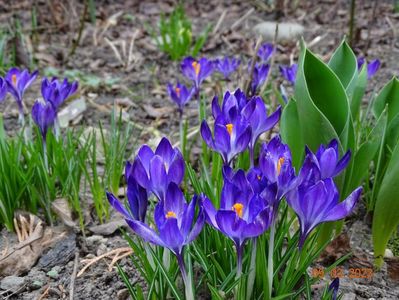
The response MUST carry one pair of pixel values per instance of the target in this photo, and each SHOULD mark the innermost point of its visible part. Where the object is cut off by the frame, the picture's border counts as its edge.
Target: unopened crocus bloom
(324, 164)
(372, 67)
(289, 72)
(137, 198)
(156, 170)
(17, 82)
(259, 77)
(180, 95)
(196, 70)
(56, 92)
(3, 89)
(176, 225)
(265, 52)
(242, 215)
(319, 203)
(275, 162)
(232, 105)
(43, 115)
(333, 288)
(256, 114)
(230, 137)
(226, 66)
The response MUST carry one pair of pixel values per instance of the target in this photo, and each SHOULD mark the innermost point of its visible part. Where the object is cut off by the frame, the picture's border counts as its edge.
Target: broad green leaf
(365, 154)
(343, 63)
(322, 104)
(290, 130)
(358, 93)
(386, 213)
(388, 95)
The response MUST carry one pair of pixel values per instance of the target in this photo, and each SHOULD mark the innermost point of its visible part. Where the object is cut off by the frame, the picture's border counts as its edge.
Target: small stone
(122, 294)
(12, 283)
(286, 31)
(388, 253)
(95, 240)
(37, 284)
(53, 273)
(349, 296)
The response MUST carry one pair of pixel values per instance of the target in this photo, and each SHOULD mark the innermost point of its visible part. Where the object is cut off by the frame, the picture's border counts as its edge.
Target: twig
(81, 26)
(366, 48)
(253, 62)
(222, 16)
(45, 293)
(240, 20)
(96, 259)
(271, 62)
(73, 277)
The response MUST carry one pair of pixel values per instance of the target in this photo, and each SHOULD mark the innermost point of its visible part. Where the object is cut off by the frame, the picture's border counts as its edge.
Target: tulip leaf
(388, 95)
(322, 104)
(343, 63)
(290, 130)
(386, 213)
(366, 153)
(358, 92)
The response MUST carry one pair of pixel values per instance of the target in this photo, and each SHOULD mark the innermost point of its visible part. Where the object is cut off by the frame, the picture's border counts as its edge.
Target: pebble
(94, 240)
(122, 294)
(286, 31)
(388, 253)
(12, 283)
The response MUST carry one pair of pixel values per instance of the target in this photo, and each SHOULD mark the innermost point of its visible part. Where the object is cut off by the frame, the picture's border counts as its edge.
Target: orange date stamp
(340, 272)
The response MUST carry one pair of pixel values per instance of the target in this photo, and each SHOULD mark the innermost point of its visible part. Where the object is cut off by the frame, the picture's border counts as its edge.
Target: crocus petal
(199, 224)
(230, 224)
(115, 203)
(145, 232)
(328, 162)
(158, 177)
(342, 163)
(344, 208)
(207, 135)
(176, 169)
(171, 236)
(165, 150)
(174, 200)
(140, 173)
(210, 211)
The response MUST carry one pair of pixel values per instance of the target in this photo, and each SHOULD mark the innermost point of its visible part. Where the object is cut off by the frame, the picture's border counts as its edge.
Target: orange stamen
(170, 214)
(14, 79)
(229, 128)
(177, 91)
(197, 67)
(239, 209)
(280, 164)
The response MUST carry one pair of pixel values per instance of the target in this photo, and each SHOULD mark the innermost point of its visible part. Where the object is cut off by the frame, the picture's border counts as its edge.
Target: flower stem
(182, 146)
(270, 258)
(239, 261)
(251, 155)
(252, 267)
(186, 279)
(45, 158)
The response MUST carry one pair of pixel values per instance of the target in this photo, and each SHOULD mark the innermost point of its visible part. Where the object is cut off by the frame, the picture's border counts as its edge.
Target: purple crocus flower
(333, 288)
(232, 105)
(137, 197)
(319, 203)
(259, 77)
(56, 92)
(265, 52)
(155, 171)
(256, 114)
(275, 162)
(372, 67)
(289, 72)
(175, 223)
(226, 66)
(43, 115)
(243, 214)
(180, 95)
(17, 82)
(3, 89)
(196, 71)
(324, 164)
(230, 137)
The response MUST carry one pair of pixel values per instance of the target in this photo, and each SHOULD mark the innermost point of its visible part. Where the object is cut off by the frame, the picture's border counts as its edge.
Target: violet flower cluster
(372, 66)
(238, 124)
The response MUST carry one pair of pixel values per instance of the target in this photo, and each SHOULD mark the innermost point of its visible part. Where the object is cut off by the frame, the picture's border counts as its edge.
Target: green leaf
(291, 133)
(388, 95)
(344, 64)
(358, 93)
(321, 101)
(386, 213)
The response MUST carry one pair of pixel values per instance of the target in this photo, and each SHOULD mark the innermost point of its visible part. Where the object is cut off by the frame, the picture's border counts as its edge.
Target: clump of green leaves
(176, 38)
